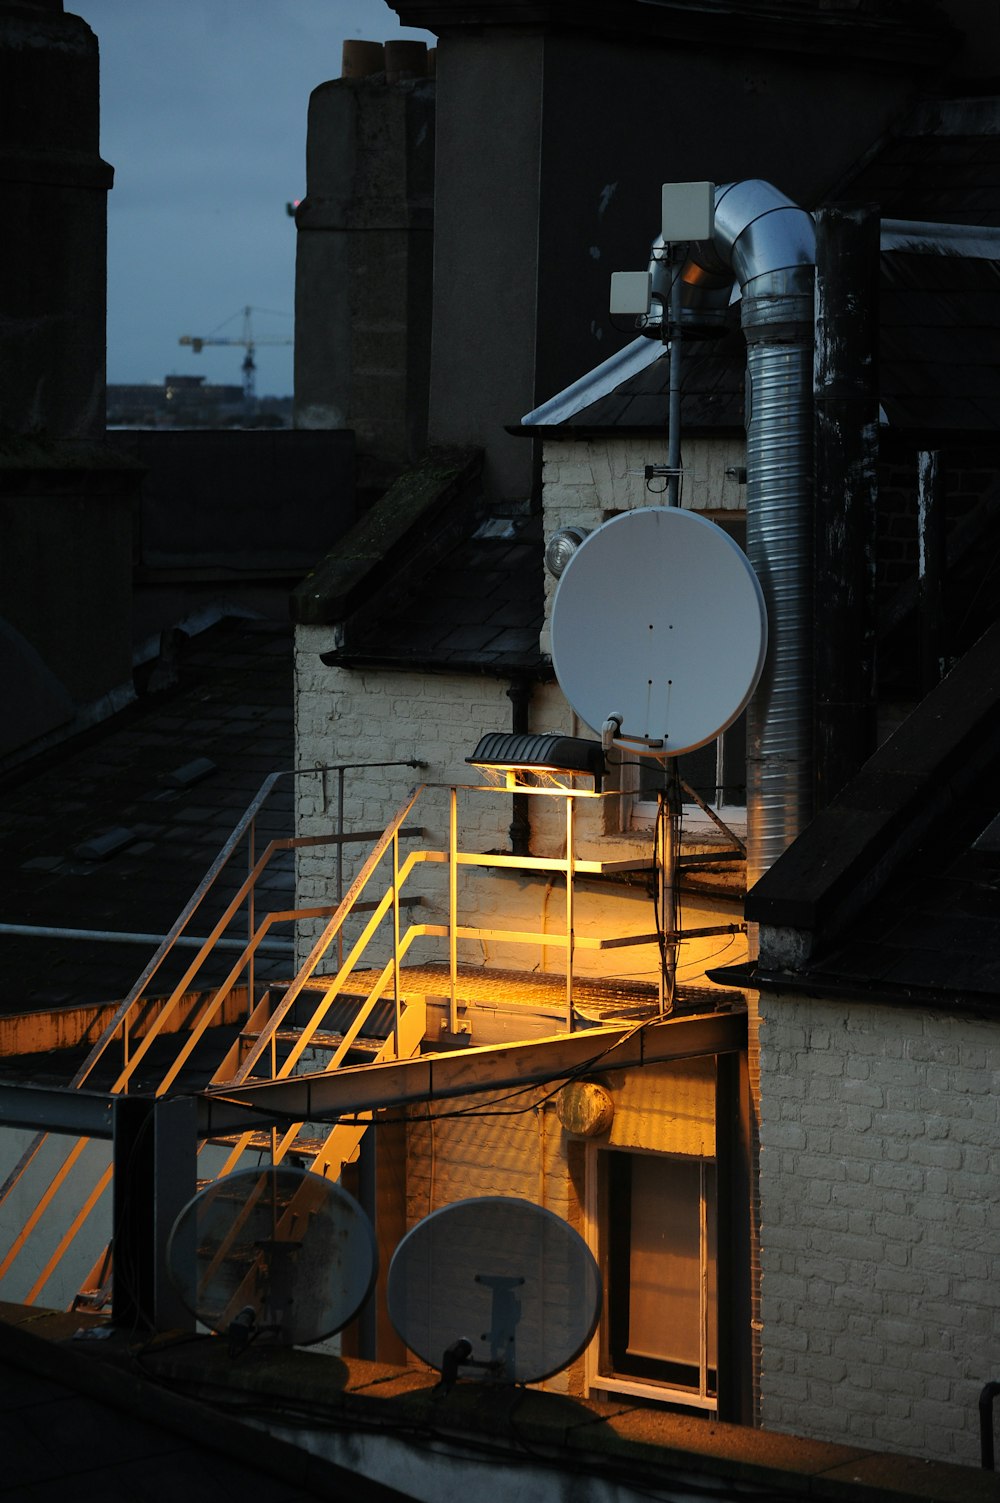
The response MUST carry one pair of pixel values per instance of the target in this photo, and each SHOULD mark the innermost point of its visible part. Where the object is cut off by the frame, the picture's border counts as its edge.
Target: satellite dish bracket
(653, 744)
(459, 1354)
(242, 1331)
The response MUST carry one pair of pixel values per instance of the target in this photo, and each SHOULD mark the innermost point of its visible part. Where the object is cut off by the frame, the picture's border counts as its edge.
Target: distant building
(187, 401)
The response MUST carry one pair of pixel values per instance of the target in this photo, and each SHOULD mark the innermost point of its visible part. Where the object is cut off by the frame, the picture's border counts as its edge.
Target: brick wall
(587, 481)
(371, 716)
(879, 1250)
(968, 480)
(528, 1153)
(344, 715)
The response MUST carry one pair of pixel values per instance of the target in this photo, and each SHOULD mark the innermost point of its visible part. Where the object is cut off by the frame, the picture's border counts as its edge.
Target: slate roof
(942, 163)
(432, 580)
(712, 383)
(479, 609)
(939, 342)
(172, 775)
(939, 355)
(894, 888)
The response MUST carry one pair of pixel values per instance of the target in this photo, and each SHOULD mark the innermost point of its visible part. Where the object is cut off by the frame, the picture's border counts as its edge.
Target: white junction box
(631, 292)
(687, 211)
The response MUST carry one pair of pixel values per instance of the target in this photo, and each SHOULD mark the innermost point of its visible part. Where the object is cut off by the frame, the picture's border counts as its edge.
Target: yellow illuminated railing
(380, 902)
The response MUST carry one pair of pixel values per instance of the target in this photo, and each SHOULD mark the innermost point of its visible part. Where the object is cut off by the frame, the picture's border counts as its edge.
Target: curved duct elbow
(704, 308)
(758, 230)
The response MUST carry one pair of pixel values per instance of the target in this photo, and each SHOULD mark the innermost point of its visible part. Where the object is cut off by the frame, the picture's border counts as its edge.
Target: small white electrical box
(688, 211)
(631, 292)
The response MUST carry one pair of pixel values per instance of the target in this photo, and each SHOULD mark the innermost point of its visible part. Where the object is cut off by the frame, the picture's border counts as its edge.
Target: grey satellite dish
(273, 1252)
(659, 619)
(495, 1285)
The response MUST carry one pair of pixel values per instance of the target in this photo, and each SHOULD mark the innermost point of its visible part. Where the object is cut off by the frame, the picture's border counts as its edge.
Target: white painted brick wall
(376, 715)
(587, 481)
(669, 1108)
(880, 1251)
(349, 716)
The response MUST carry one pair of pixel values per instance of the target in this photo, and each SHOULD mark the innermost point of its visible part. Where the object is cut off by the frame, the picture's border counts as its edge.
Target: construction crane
(247, 340)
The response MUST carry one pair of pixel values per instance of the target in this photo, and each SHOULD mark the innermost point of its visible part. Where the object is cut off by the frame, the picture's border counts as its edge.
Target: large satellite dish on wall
(497, 1285)
(659, 618)
(273, 1252)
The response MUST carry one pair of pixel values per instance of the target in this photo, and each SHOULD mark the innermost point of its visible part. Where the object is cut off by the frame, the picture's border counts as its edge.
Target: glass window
(657, 1245)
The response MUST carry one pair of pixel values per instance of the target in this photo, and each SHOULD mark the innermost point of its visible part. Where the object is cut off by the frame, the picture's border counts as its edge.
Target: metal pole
(674, 397)
(251, 842)
(340, 859)
(453, 912)
(121, 937)
(569, 915)
(667, 815)
(395, 934)
(932, 540)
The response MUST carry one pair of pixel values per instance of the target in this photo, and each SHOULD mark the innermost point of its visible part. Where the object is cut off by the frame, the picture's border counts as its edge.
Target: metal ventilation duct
(768, 244)
(704, 307)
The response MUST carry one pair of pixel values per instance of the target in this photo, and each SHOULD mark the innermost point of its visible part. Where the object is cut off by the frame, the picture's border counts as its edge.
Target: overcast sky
(203, 117)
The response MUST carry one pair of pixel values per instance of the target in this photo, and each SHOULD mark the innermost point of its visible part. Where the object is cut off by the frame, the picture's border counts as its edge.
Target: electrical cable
(492, 1109)
(303, 1412)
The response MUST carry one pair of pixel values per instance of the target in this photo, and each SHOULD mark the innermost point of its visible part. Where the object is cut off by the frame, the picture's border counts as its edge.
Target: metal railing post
(340, 857)
(251, 844)
(453, 912)
(398, 1002)
(569, 914)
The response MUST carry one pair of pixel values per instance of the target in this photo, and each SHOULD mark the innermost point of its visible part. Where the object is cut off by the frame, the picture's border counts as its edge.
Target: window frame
(640, 814)
(598, 1353)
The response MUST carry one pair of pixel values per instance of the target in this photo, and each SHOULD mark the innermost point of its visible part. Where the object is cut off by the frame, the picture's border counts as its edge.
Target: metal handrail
(331, 935)
(137, 994)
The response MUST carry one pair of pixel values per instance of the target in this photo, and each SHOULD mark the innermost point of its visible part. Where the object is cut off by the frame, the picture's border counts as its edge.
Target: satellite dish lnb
(273, 1252)
(660, 619)
(498, 1286)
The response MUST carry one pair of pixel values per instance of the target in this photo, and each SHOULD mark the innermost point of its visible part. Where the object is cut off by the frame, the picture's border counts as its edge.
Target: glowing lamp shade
(512, 752)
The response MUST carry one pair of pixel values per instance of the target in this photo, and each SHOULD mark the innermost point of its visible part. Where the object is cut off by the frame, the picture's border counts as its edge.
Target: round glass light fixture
(561, 547)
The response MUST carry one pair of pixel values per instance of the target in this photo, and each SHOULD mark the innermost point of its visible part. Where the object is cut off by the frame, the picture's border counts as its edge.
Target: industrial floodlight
(513, 752)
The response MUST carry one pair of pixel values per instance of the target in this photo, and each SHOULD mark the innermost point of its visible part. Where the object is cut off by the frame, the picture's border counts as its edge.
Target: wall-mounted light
(538, 752)
(561, 547)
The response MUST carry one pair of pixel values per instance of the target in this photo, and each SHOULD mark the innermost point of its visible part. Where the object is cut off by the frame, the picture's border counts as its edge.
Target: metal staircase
(313, 1023)
(343, 1007)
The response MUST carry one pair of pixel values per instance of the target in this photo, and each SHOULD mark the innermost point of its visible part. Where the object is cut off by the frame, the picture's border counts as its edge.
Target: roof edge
(346, 577)
(852, 848)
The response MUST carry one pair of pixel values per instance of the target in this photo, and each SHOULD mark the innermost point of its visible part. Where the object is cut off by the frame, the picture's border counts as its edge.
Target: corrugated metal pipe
(767, 244)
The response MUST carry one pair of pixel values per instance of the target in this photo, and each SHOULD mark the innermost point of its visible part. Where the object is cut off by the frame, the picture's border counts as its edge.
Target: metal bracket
(459, 1038)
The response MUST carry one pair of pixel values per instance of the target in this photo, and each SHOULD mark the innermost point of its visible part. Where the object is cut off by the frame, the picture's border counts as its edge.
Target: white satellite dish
(273, 1252)
(494, 1287)
(660, 619)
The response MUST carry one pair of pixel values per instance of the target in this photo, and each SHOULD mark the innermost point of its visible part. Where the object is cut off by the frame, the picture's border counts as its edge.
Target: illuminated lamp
(513, 752)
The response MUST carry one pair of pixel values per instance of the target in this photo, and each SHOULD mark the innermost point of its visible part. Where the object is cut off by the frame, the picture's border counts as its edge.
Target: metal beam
(351, 1090)
(88, 1114)
(363, 1088)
